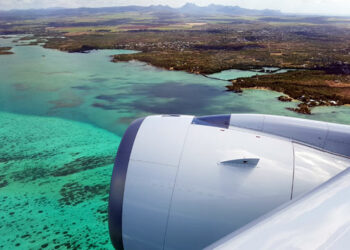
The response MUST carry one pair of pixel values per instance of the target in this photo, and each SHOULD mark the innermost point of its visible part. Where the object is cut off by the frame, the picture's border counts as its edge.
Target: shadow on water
(170, 97)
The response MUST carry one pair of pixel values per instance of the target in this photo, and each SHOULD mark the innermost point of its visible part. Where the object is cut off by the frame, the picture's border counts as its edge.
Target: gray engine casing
(183, 182)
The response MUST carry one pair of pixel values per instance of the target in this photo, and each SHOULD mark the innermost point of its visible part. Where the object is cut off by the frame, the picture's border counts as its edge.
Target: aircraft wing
(317, 220)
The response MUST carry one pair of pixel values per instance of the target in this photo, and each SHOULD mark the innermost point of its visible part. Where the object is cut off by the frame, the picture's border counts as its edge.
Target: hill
(188, 9)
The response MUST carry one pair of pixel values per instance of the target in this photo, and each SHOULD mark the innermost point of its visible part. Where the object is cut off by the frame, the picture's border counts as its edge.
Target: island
(220, 38)
(5, 51)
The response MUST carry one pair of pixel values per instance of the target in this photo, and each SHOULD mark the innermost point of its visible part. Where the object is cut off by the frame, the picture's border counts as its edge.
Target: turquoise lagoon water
(54, 183)
(61, 120)
(235, 73)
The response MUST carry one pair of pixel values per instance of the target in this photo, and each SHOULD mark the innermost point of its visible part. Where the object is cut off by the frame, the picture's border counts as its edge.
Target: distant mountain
(188, 9)
(214, 9)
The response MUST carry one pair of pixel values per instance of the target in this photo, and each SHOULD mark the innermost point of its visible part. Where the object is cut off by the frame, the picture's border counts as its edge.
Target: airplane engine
(183, 182)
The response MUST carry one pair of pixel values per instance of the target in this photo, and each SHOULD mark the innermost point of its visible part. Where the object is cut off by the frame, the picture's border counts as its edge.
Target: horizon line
(188, 3)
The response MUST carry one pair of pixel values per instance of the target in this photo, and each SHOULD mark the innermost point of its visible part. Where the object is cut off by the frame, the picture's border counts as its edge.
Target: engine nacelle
(183, 182)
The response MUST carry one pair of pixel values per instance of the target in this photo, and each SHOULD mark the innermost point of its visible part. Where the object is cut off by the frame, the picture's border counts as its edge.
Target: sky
(327, 7)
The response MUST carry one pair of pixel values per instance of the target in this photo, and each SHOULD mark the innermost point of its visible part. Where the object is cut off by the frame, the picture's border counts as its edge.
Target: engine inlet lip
(116, 194)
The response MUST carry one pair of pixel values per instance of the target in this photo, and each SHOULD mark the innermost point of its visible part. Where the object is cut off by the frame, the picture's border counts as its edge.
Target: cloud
(333, 7)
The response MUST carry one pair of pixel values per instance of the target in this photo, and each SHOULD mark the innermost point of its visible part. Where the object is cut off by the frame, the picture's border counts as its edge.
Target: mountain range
(188, 9)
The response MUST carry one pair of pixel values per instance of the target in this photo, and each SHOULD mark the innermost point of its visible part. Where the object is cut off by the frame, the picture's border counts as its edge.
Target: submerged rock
(302, 109)
(6, 51)
(234, 88)
(284, 98)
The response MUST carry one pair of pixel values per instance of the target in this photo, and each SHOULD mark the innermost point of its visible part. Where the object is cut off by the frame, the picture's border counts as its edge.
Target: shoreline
(184, 67)
(304, 107)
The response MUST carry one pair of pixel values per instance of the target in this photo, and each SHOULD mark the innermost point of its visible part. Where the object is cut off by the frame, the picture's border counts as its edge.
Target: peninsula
(207, 40)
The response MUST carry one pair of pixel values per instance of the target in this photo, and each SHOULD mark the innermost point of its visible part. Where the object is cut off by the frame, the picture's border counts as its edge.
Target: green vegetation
(312, 88)
(206, 44)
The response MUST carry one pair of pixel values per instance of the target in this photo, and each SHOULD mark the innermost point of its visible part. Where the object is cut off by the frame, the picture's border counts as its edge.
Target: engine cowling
(182, 182)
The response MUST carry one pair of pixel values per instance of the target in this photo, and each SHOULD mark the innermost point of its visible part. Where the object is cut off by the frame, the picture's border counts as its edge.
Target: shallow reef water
(54, 183)
(235, 73)
(62, 116)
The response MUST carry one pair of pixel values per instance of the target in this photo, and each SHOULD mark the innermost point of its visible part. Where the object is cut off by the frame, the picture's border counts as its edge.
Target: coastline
(305, 106)
(311, 97)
